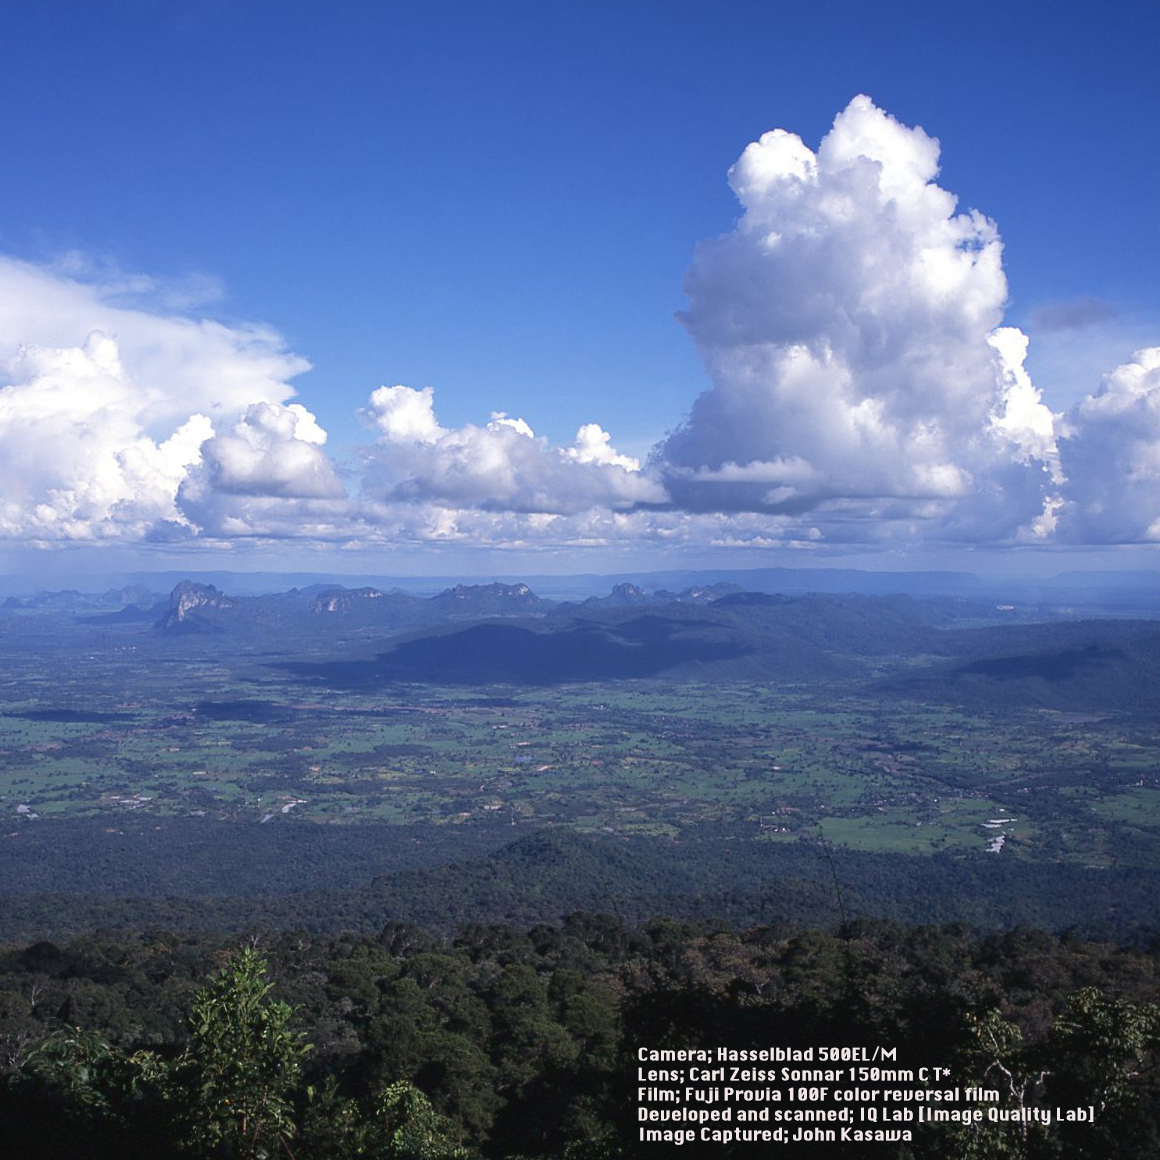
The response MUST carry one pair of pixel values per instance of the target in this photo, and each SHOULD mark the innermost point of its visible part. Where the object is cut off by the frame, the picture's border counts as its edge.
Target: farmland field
(129, 723)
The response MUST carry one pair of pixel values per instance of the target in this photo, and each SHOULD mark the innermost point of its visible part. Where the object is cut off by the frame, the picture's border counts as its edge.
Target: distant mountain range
(197, 607)
(922, 650)
(1123, 591)
(945, 648)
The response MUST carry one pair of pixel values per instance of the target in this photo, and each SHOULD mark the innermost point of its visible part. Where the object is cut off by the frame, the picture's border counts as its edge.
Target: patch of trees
(504, 1042)
(76, 875)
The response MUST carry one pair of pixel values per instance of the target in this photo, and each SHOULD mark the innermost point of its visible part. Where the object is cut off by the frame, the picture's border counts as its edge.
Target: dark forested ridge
(158, 875)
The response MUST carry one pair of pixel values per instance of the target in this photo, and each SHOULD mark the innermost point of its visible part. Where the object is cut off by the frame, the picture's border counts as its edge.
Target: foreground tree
(1100, 1064)
(399, 1124)
(236, 1078)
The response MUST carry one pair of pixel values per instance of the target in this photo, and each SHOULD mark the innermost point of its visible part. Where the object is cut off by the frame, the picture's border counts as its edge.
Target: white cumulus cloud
(850, 324)
(76, 461)
(1110, 453)
(178, 365)
(108, 410)
(273, 451)
(502, 466)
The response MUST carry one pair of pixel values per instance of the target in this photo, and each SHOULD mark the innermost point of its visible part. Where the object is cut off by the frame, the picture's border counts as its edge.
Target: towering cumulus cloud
(850, 326)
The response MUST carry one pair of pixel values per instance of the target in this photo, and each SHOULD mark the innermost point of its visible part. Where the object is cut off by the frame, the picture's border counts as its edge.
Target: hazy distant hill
(506, 633)
(81, 604)
(758, 636)
(188, 605)
(742, 636)
(315, 611)
(518, 653)
(476, 600)
(634, 596)
(1079, 666)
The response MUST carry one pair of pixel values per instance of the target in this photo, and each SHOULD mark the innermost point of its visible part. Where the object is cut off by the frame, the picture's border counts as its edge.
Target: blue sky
(502, 202)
